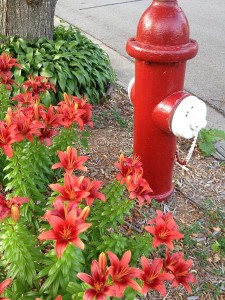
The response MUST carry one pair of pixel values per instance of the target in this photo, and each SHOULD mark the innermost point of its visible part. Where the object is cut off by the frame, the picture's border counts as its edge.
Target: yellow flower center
(98, 286)
(66, 233)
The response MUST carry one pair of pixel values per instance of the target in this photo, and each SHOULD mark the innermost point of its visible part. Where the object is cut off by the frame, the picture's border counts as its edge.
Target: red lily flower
(153, 276)
(138, 188)
(6, 78)
(26, 125)
(3, 285)
(70, 161)
(122, 274)
(8, 136)
(46, 136)
(11, 207)
(71, 115)
(92, 188)
(180, 269)
(70, 101)
(71, 191)
(127, 166)
(26, 99)
(171, 260)
(86, 117)
(98, 281)
(63, 208)
(38, 84)
(168, 218)
(164, 233)
(7, 62)
(65, 231)
(50, 117)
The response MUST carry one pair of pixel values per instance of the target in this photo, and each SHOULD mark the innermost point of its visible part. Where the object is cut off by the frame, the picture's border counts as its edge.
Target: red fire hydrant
(162, 111)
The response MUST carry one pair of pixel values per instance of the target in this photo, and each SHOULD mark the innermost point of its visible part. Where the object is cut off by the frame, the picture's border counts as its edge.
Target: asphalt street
(112, 22)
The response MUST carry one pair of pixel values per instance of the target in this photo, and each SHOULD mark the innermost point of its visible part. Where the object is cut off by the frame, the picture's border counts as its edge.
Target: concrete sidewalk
(124, 69)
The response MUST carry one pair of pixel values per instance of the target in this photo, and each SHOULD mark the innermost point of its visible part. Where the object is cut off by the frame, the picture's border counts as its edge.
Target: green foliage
(73, 63)
(207, 139)
(57, 273)
(26, 176)
(219, 245)
(19, 257)
(4, 101)
(141, 244)
(105, 219)
(67, 137)
(76, 290)
(130, 294)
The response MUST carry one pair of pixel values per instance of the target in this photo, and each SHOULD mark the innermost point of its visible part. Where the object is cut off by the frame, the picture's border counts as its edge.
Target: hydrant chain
(190, 152)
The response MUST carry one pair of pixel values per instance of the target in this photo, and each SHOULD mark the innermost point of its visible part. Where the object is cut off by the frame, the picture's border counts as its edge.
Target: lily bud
(85, 213)
(15, 213)
(67, 98)
(121, 157)
(36, 111)
(8, 118)
(102, 262)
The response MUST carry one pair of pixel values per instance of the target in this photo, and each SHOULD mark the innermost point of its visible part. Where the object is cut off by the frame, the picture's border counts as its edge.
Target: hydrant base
(163, 197)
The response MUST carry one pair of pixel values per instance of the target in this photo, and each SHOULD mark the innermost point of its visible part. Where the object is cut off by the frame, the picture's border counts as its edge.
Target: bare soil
(197, 203)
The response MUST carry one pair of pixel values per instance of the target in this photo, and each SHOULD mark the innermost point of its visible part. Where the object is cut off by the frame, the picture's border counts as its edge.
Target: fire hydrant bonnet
(163, 35)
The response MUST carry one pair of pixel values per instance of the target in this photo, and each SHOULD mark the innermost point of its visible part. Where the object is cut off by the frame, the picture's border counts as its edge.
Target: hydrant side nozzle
(163, 112)
(131, 90)
(180, 114)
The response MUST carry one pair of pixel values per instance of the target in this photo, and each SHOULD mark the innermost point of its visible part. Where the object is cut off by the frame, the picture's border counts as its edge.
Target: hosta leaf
(62, 80)
(58, 45)
(29, 55)
(66, 55)
(26, 67)
(46, 72)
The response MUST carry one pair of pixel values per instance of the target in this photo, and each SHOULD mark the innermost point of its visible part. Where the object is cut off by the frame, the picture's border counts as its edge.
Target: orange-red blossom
(165, 231)
(65, 230)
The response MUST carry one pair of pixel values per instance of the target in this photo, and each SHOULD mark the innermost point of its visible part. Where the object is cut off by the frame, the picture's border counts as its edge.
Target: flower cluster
(36, 85)
(6, 64)
(29, 118)
(67, 219)
(112, 280)
(131, 173)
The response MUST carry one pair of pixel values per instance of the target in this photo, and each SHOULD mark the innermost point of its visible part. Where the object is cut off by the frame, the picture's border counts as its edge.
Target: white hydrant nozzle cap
(130, 86)
(189, 117)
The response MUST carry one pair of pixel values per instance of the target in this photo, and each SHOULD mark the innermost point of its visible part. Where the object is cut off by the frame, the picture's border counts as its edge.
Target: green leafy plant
(73, 63)
(207, 140)
(4, 101)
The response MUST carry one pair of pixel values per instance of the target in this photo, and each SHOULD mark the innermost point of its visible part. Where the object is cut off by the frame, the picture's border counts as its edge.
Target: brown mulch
(197, 203)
